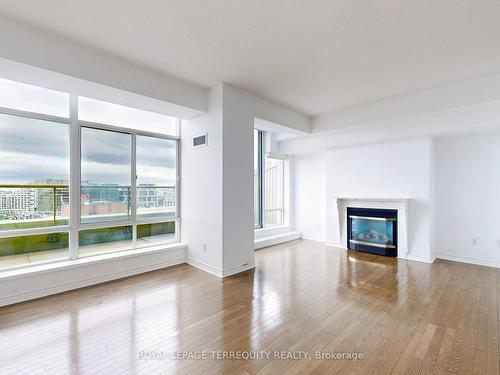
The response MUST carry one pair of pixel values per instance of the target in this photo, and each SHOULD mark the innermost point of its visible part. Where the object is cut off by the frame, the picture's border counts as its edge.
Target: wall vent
(200, 140)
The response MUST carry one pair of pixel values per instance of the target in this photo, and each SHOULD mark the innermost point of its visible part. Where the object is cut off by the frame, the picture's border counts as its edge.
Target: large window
(102, 179)
(269, 184)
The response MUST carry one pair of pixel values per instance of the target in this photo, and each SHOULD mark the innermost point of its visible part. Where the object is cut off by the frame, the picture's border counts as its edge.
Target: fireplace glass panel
(372, 231)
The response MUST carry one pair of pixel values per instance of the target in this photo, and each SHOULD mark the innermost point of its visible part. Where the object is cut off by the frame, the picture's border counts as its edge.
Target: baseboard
(238, 269)
(331, 244)
(217, 272)
(275, 240)
(466, 259)
(418, 258)
(311, 238)
(23, 288)
(205, 267)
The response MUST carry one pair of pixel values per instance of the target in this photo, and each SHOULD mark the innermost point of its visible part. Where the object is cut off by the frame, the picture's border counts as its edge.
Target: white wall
(217, 180)
(201, 186)
(387, 170)
(46, 279)
(467, 198)
(310, 195)
(238, 194)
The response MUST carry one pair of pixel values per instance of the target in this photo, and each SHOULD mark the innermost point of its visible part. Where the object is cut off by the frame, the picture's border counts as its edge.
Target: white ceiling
(313, 56)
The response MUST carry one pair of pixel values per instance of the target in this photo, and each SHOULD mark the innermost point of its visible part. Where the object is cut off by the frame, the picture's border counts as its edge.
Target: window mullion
(261, 180)
(133, 189)
(178, 183)
(74, 173)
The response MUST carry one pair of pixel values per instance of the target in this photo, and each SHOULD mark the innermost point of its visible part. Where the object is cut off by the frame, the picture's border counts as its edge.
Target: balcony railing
(21, 204)
(34, 205)
(30, 206)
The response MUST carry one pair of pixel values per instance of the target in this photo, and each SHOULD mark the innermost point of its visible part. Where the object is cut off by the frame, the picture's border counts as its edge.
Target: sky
(106, 158)
(33, 149)
(33, 99)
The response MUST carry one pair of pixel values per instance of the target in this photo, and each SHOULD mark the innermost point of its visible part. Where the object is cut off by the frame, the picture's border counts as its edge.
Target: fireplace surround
(337, 220)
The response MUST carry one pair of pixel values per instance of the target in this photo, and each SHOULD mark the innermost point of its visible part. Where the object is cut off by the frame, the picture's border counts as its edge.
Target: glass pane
(34, 173)
(104, 240)
(256, 187)
(156, 177)
(26, 250)
(119, 115)
(274, 194)
(105, 175)
(30, 98)
(155, 234)
(379, 232)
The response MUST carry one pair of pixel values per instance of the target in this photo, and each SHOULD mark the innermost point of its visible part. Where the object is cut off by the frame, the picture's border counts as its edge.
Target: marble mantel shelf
(374, 199)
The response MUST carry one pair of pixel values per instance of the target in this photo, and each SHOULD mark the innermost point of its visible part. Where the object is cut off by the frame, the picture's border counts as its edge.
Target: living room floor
(392, 316)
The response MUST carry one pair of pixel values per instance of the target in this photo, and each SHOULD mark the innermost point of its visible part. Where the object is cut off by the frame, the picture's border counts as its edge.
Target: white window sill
(72, 263)
(268, 229)
(275, 239)
(271, 231)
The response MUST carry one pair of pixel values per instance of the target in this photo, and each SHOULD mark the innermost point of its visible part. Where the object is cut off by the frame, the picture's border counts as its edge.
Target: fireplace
(373, 230)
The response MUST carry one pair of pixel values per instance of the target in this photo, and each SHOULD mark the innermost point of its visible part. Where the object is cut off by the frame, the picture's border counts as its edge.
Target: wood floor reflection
(404, 317)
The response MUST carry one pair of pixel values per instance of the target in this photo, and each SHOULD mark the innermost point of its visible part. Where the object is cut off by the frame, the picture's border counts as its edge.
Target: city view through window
(35, 159)
(269, 186)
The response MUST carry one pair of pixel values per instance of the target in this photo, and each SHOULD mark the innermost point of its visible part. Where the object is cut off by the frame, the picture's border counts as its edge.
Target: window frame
(74, 225)
(260, 169)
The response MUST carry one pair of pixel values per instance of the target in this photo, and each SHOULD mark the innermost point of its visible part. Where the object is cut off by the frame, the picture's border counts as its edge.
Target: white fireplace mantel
(401, 205)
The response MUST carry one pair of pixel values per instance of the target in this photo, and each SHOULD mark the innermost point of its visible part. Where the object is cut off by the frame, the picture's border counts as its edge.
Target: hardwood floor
(404, 317)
